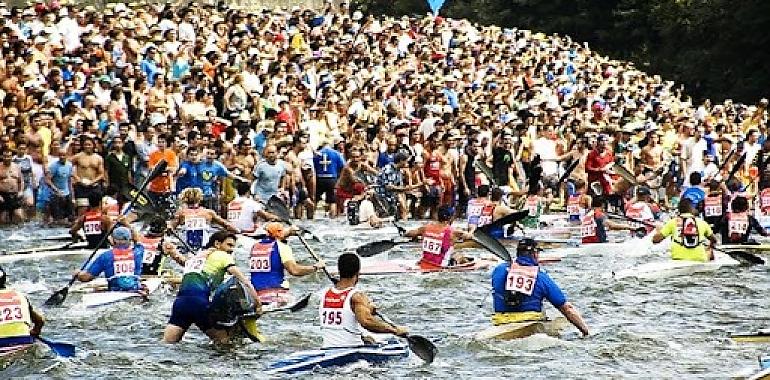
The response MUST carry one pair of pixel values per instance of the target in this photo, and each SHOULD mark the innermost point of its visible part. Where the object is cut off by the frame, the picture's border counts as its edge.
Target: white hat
(120, 7)
(357, 15)
(40, 40)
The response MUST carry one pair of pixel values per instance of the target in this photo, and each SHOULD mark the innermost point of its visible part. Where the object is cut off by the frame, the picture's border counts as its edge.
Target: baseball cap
(121, 233)
(643, 190)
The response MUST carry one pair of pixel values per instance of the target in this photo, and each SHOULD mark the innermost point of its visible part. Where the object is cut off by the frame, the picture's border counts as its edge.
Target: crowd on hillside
(321, 107)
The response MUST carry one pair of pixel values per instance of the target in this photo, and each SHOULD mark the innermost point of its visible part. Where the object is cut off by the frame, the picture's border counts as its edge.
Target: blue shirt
(105, 263)
(452, 98)
(545, 288)
(260, 142)
(328, 163)
(267, 178)
(61, 175)
(385, 158)
(695, 194)
(149, 68)
(191, 177)
(209, 171)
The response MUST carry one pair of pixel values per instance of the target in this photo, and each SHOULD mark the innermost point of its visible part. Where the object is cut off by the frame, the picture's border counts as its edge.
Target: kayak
(305, 361)
(54, 250)
(751, 373)
(373, 266)
(760, 248)
(102, 298)
(760, 336)
(672, 268)
(9, 354)
(518, 330)
(272, 299)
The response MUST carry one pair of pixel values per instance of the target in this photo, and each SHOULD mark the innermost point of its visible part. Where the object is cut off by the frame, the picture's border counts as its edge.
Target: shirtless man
(652, 154)
(11, 189)
(88, 173)
(243, 161)
(301, 165)
(578, 152)
(435, 164)
(449, 168)
(34, 139)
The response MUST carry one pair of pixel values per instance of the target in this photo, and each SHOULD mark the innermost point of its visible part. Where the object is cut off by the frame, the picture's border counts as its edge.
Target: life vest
(339, 326)
(573, 207)
(533, 205)
(475, 206)
(152, 257)
(437, 245)
(234, 210)
(712, 206)
(689, 236)
(196, 227)
(589, 228)
(764, 201)
(15, 318)
(111, 207)
(92, 227)
(352, 208)
(636, 211)
(265, 265)
(124, 272)
(519, 283)
(737, 226)
(433, 167)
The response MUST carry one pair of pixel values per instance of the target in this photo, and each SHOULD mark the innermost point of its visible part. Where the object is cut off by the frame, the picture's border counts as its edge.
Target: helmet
(526, 247)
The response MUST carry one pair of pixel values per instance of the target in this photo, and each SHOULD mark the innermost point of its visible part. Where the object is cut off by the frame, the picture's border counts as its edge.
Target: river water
(667, 328)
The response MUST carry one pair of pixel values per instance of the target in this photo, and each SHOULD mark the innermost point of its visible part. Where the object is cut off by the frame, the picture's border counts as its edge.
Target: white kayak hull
(98, 299)
(673, 268)
(518, 330)
(305, 361)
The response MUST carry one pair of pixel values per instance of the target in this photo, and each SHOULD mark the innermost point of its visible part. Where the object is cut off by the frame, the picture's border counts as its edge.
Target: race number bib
(11, 311)
(259, 261)
(430, 245)
(233, 215)
(149, 257)
(123, 263)
(195, 223)
(573, 209)
(738, 224)
(331, 317)
(521, 279)
(194, 264)
(588, 229)
(92, 227)
(712, 207)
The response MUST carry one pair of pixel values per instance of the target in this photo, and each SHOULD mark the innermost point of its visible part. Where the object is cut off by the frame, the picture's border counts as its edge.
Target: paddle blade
(58, 297)
(508, 219)
(159, 168)
(492, 245)
(401, 230)
(301, 304)
(65, 350)
(375, 248)
(277, 207)
(422, 347)
(745, 257)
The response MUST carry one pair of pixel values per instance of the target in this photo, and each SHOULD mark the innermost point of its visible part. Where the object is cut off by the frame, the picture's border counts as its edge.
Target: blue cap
(121, 233)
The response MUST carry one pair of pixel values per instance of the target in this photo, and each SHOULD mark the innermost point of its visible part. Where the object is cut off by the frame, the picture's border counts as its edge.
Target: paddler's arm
(364, 311)
(572, 315)
(617, 226)
(266, 216)
(458, 234)
(218, 220)
(233, 270)
(294, 269)
(76, 228)
(37, 322)
(177, 220)
(170, 250)
(417, 232)
(757, 227)
(664, 231)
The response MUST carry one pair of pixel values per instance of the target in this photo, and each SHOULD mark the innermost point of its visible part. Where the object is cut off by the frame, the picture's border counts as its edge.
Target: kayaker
(738, 224)
(500, 211)
(20, 323)
(244, 212)
(121, 265)
(642, 209)
(438, 240)
(714, 204)
(197, 219)
(269, 258)
(688, 233)
(519, 289)
(151, 241)
(346, 313)
(594, 224)
(481, 209)
(361, 210)
(203, 272)
(695, 193)
(94, 222)
(575, 195)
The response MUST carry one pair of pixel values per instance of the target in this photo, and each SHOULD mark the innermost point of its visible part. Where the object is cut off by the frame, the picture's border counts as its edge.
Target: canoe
(97, 299)
(761, 248)
(272, 299)
(519, 330)
(760, 336)
(672, 268)
(305, 361)
(375, 266)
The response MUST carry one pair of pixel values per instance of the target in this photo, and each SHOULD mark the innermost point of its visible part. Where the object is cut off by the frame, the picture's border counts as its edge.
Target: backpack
(352, 211)
(690, 236)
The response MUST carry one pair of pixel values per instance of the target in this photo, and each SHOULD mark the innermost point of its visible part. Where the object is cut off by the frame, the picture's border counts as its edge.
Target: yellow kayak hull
(762, 336)
(520, 330)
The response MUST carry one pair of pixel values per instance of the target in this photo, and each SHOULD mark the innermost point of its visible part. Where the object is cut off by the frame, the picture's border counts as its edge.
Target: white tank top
(339, 327)
(240, 212)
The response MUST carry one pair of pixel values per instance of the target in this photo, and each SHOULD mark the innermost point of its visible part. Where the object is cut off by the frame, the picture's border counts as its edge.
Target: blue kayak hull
(305, 361)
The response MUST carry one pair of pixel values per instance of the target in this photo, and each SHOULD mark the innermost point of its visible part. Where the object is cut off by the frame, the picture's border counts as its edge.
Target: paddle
(317, 258)
(421, 346)
(742, 256)
(492, 245)
(401, 230)
(279, 209)
(376, 247)
(299, 305)
(736, 167)
(65, 350)
(48, 248)
(516, 216)
(59, 296)
(486, 170)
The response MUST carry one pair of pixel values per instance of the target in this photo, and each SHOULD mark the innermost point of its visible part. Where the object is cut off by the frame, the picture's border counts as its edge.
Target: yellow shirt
(217, 263)
(678, 251)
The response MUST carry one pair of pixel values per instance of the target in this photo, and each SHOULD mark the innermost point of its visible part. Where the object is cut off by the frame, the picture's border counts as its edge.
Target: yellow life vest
(15, 318)
(525, 316)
